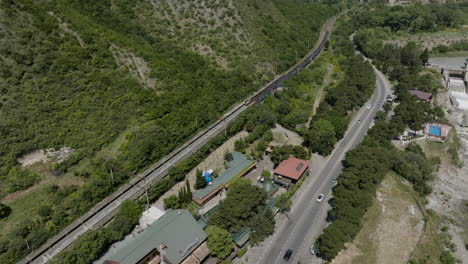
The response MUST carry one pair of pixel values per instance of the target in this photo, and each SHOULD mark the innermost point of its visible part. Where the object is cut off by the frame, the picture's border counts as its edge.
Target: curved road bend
(102, 212)
(307, 217)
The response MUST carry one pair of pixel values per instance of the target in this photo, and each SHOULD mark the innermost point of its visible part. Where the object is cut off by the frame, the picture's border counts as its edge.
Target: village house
(290, 171)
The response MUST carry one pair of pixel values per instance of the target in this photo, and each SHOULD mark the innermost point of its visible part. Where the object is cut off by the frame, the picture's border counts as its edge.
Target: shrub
(5, 211)
(241, 252)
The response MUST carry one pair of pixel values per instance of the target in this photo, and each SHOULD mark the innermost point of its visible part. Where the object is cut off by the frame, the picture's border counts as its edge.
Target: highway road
(307, 217)
(104, 211)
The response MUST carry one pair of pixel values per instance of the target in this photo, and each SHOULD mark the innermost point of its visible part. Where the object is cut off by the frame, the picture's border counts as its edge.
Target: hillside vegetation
(129, 81)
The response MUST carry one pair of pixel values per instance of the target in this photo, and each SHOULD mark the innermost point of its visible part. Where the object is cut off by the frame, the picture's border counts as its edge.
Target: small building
(427, 97)
(237, 167)
(290, 171)
(176, 235)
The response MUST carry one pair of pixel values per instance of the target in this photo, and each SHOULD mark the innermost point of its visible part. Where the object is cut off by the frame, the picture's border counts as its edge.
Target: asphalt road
(307, 216)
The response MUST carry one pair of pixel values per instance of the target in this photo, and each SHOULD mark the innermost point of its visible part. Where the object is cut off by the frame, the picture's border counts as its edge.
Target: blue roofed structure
(237, 167)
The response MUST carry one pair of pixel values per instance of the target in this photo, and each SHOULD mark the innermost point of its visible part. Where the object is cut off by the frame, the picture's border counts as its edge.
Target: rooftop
(421, 95)
(292, 168)
(177, 229)
(236, 166)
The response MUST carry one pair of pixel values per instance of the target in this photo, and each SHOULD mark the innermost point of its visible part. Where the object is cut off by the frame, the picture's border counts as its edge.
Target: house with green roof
(237, 167)
(176, 237)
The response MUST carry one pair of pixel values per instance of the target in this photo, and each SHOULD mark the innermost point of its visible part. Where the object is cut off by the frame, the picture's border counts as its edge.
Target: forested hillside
(138, 77)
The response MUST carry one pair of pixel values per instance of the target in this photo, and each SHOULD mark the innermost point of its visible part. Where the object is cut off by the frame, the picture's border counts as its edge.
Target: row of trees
(181, 200)
(94, 243)
(331, 120)
(365, 166)
(417, 18)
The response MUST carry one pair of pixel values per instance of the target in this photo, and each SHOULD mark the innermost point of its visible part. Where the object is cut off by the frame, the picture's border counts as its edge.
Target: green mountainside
(123, 83)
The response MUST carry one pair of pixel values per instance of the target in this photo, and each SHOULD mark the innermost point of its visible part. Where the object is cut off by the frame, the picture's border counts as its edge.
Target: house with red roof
(290, 171)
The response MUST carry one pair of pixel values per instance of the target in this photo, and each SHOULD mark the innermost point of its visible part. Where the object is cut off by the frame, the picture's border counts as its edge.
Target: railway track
(104, 211)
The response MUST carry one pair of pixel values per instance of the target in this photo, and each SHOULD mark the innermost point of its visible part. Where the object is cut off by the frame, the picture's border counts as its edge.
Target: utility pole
(112, 174)
(146, 192)
(27, 244)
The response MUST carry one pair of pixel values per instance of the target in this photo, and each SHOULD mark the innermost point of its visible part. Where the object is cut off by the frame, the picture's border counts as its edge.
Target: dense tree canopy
(244, 201)
(219, 241)
(281, 153)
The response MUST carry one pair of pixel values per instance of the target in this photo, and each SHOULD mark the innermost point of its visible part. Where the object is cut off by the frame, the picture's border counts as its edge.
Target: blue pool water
(435, 131)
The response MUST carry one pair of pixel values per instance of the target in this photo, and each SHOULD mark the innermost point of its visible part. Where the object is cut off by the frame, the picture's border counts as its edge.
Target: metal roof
(177, 229)
(420, 94)
(236, 166)
(292, 168)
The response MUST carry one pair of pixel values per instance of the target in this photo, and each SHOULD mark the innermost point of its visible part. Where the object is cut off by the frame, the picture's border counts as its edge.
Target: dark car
(288, 254)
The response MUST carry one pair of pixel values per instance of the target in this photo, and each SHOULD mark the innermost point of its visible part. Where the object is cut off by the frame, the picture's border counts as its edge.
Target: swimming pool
(435, 131)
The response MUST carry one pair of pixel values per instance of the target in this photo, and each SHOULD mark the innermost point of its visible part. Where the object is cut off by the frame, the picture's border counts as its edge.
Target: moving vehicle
(359, 120)
(288, 254)
(320, 197)
(368, 106)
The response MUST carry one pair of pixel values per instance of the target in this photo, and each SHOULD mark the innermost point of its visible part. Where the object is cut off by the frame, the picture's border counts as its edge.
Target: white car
(312, 250)
(368, 106)
(320, 197)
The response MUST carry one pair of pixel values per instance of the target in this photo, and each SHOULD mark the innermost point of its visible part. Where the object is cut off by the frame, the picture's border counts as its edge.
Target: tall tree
(243, 202)
(263, 225)
(425, 57)
(200, 181)
(283, 203)
(322, 137)
(219, 241)
(188, 192)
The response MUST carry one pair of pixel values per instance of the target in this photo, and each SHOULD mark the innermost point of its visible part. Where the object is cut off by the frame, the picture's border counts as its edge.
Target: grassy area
(388, 234)
(429, 247)
(24, 208)
(448, 150)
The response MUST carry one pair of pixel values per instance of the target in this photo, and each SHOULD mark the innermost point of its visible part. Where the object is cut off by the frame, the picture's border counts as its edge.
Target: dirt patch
(33, 157)
(42, 156)
(346, 256)
(214, 161)
(391, 229)
(449, 197)
(65, 27)
(137, 66)
(282, 136)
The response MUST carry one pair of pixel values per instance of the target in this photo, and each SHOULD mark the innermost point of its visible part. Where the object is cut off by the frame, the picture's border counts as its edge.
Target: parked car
(320, 197)
(368, 106)
(312, 249)
(288, 254)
